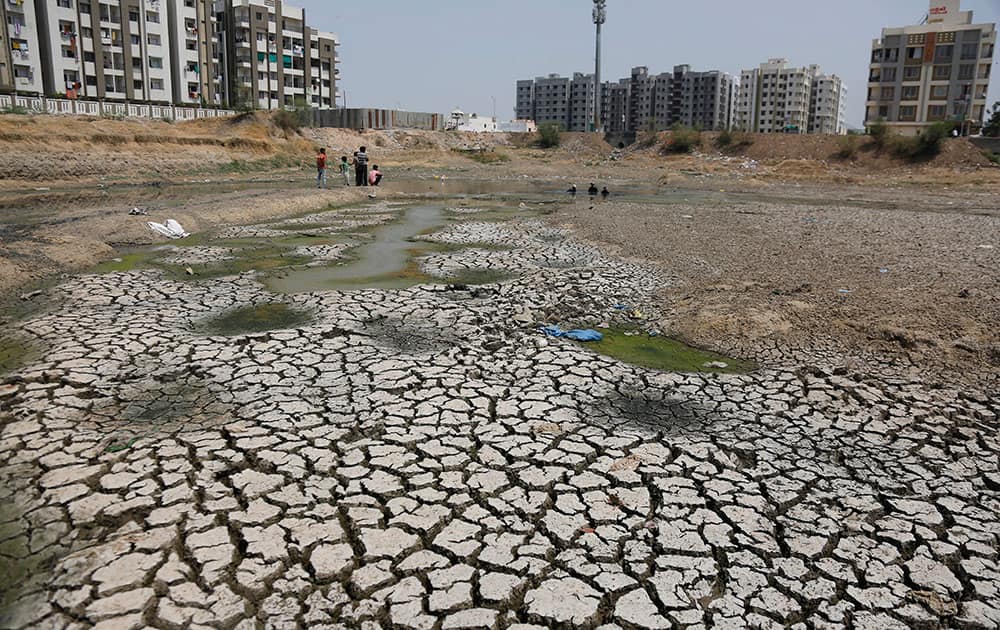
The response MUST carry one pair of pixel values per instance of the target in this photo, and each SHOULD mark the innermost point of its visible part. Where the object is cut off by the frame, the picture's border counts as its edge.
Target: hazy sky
(434, 55)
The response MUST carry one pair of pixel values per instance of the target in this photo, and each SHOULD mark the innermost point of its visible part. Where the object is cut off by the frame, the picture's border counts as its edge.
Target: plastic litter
(170, 229)
(137, 211)
(575, 335)
(619, 307)
(844, 291)
(883, 270)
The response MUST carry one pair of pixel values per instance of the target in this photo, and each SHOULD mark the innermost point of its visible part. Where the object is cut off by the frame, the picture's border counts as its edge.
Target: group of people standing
(362, 176)
(592, 191)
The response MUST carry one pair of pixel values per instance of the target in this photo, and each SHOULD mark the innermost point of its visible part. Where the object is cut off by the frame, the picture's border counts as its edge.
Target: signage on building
(943, 11)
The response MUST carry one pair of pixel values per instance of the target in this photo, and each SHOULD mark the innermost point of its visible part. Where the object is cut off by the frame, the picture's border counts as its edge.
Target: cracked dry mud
(423, 458)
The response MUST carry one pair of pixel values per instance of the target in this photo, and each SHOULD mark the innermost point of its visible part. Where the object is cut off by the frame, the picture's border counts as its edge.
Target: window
(153, 16)
(942, 73)
(987, 51)
(966, 72)
(260, 16)
(156, 62)
(65, 4)
(908, 112)
(888, 93)
(970, 51)
(135, 39)
(936, 112)
(189, 3)
(944, 53)
(86, 31)
(137, 63)
(911, 93)
(133, 16)
(85, 8)
(912, 73)
(915, 52)
(939, 92)
(889, 75)
(91, 80)
(153, 39)
(156, 84)
(191, 44)
(88, 56)
(68, 52)
(137, 84)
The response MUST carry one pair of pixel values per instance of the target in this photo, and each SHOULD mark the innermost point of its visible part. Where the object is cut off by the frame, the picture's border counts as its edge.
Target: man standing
(361, 168)
(321, 169)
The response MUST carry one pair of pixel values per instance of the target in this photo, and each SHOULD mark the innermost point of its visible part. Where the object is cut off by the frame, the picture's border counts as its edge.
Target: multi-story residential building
(270, 55)
(936, 71)
(196, 61)
(827, 105)
(323, 69)
(20, 60)
(115, 49)
(642, 102)
(776, 98)
(188, 52)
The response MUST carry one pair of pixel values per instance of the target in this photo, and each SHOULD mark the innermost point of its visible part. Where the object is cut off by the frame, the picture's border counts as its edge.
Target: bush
(682, 140)
(485, 157)
(992, 127)
(15, 109)
(992, 157)
(926, 145)
(848, 147)
(548, 135)
(728, 139)
(287, 121)
(880, 133)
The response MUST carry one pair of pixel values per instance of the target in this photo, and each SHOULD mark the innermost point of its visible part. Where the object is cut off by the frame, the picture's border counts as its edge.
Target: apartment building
(776, 98)
(188, 52)
(641, 102)
(20, 60)
(827, 105)
(270, 56)
(196, 61)
(931, 72)
(113, 49)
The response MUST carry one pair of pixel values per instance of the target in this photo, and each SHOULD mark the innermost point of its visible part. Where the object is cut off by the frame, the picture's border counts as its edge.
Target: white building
(827, 105)
(775, 98)
(518, 126)
(478, 124)
(195, 63)
(21, 62)
(931, 72)
(115, 49)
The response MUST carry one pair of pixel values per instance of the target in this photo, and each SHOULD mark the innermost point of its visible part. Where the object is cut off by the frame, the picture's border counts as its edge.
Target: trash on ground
(635, 314)
(170, 229)
(716, 365)
(575, 335)
(619, 307)
(686, 216)
(28, 296)
(883, 270)
(137, 211)
(189, 271)
(844, 291)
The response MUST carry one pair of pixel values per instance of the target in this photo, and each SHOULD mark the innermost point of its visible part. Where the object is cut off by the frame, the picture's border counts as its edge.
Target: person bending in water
(592, 191)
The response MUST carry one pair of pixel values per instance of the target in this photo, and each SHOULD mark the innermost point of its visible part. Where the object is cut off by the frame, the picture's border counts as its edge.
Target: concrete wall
(368, 118)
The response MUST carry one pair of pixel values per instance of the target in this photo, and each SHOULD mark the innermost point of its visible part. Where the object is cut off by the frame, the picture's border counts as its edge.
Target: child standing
(321, 169)
(345, 170)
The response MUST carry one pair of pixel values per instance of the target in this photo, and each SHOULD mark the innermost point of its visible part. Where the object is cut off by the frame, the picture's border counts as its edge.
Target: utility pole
(600, 15)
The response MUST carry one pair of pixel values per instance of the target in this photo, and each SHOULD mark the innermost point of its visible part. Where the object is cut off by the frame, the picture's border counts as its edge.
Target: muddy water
(384, 262)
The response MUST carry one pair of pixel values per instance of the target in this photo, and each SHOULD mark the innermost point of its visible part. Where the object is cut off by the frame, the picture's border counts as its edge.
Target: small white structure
(518, 126)
(478, 125)
(455, 120)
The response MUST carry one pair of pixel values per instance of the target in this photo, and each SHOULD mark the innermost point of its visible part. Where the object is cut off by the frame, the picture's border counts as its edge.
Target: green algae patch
(259, 318)
(127, 262)
(15, 353)
(664, 354)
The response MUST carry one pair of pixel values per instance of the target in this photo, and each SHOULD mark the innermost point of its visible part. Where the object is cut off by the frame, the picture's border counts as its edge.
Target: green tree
(548, 134)
(992, 126)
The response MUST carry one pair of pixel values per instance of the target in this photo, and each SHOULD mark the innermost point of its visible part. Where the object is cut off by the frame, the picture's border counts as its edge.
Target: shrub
(880, 133)
(729, 139)
(15, 109)
(992, 127)
(287, 121)
(992, 157)
(548, 135)
(848, 147)
(924, 146)
(682, 140)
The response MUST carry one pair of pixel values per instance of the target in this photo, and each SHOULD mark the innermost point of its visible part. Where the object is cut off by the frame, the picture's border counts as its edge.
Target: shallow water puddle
(663, 353)
(260, 318)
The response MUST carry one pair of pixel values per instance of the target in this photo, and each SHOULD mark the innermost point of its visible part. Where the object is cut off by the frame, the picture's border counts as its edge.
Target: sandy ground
(915, 281)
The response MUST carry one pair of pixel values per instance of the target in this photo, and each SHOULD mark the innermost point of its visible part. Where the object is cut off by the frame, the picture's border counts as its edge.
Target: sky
(436, 55)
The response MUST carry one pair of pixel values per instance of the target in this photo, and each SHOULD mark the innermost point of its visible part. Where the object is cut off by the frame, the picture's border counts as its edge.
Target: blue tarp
(576, 335)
